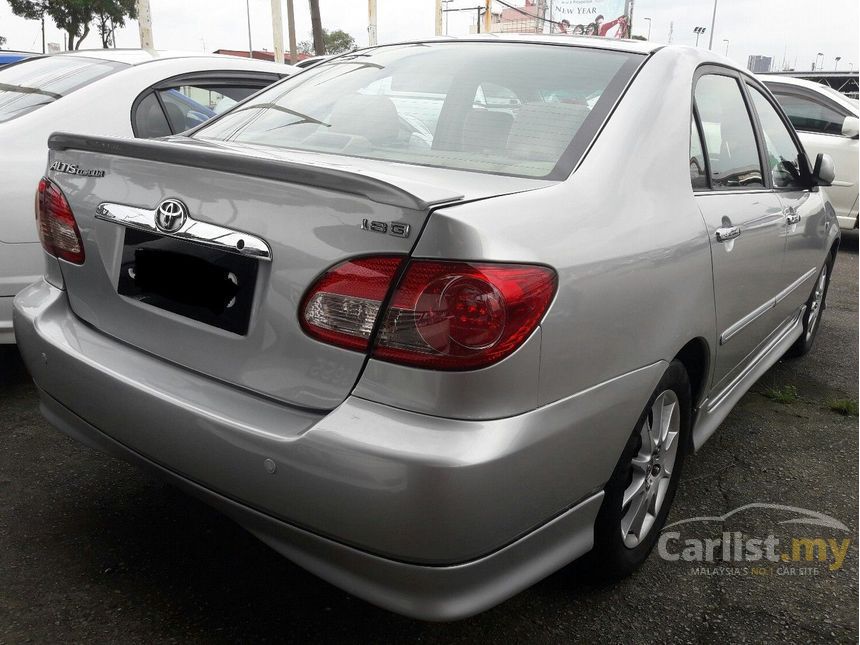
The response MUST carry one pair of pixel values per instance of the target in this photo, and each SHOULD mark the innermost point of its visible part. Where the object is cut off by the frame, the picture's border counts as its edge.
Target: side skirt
(716, 407)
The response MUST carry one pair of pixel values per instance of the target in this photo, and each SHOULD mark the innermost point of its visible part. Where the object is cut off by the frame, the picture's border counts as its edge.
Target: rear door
(806, 229)
(743, 215)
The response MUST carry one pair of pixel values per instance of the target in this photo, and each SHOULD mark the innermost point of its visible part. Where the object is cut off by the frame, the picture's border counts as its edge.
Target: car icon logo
(170, 216)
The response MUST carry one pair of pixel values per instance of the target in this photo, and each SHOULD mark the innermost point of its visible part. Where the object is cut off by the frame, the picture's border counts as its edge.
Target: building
(521, 20)
(260, 55)
(759, 64)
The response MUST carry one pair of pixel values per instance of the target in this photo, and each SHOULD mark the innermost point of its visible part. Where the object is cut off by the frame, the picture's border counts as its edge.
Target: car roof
(140, 56)
(617, 44)
(833, 94)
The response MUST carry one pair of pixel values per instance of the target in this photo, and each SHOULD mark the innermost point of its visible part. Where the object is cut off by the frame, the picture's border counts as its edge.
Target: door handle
(728, 233)
(791, 216)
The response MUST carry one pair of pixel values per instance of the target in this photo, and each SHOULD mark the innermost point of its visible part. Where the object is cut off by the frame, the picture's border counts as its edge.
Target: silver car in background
(435, 374)
(110, 92)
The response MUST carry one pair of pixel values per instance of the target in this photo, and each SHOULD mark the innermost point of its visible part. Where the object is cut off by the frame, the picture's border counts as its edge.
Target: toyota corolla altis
(433, 364)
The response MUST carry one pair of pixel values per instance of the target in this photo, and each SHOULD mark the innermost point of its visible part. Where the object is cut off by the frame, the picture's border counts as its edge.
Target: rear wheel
(814, 310)
(638, 495)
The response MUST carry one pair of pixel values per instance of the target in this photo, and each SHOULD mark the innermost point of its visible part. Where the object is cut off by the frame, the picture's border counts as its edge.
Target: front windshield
(506, 108)
(30, 84)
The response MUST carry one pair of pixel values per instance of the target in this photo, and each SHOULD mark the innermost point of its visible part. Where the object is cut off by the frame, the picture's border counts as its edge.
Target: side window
(783, 157)
(173, 109)
(808, 115)
(698, 178)
(149, 119)
(729, 136)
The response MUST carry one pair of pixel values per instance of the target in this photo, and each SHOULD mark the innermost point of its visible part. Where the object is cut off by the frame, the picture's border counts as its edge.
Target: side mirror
(851, 127)
(824, 172)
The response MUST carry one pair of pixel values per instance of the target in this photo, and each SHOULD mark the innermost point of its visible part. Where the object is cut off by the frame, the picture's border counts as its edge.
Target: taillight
(342, 306)
(457, 316)
(58, 230)
(442, 315)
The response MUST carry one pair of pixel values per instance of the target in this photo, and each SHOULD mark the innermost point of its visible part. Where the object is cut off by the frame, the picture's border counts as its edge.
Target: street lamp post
(248, 11)
(726, 40)
(713, 21)
(698, 31)
(649, 27)
(817, 66)
(836, 65)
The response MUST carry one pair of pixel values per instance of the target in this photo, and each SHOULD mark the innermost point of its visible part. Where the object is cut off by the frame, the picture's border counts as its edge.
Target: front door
(806, 221)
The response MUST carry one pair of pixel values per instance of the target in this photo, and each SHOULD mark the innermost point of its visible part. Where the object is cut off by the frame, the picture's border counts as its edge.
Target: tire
(617, 550)
(815, 306)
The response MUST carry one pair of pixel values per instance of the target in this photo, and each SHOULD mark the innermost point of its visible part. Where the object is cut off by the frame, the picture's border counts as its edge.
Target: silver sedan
(435, 371)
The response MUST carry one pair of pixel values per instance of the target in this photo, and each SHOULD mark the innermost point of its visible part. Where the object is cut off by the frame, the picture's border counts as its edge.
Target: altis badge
(73, 169)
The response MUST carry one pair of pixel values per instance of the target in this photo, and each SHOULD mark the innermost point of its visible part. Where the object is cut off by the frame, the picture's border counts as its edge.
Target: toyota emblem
(170, 216)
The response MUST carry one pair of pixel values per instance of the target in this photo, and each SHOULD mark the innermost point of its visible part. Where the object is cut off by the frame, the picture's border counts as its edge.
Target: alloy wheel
(651, 469)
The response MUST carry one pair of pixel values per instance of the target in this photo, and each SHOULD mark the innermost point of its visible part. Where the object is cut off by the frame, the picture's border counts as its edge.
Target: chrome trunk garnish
(191, 230)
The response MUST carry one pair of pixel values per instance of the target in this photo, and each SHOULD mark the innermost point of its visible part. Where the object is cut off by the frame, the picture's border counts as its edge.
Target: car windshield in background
(31, 84)
(506, 108)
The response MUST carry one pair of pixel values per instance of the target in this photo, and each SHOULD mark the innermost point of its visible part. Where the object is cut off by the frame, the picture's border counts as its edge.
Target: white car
(126, 93)
(826, 121)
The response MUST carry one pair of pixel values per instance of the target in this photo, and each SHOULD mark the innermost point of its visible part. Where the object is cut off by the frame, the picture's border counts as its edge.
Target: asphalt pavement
(91, 550)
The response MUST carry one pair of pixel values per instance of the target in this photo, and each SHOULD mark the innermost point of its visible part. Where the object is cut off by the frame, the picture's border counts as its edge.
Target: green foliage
(785, 394)
(75, 16)
(336, 42)
(845, 407)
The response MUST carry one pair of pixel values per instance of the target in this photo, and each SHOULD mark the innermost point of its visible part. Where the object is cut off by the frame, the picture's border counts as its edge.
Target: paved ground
(91, 550)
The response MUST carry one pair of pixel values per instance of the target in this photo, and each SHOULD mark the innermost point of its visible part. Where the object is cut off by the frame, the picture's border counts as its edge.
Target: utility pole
(43, 30)
(316, 27)
(144, 22)
(649, 28)
(371, 23)
(291, 27)
(278, 31)
(438, 17)
(248, 11)
(713, 21)
(488, 17)
(671, 31)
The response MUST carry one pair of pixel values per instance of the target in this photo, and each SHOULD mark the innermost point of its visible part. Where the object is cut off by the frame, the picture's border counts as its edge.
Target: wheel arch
(696, 358)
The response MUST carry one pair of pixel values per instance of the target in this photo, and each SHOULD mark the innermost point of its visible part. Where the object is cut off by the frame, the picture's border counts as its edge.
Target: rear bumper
(434, 518)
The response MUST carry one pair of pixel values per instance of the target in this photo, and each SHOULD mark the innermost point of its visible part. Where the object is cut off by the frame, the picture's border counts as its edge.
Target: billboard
(607, 18)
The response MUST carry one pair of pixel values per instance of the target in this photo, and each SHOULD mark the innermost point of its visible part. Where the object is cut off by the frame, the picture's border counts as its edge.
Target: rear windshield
(506, 108)
(31, 84)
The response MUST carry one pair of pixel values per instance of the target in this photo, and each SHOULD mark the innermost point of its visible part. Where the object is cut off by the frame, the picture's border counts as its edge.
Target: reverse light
(58, 230)
(442, 315)
(342, 306)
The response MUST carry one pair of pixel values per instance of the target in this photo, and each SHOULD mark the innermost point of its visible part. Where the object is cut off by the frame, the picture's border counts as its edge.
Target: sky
(793, 31)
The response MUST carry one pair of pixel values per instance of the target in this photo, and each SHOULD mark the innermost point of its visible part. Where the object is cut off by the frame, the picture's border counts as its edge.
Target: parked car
(7, 56)
(106, 92)
(826, 121)
(435, 375)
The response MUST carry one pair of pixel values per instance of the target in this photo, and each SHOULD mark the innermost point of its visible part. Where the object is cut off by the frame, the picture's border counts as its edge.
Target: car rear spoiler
(194, 153)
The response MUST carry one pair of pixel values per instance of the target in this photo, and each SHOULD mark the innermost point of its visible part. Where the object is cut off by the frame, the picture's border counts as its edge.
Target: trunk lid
(306, 210)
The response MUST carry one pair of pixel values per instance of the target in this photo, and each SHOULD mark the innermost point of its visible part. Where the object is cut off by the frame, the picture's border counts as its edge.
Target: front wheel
(639, 493)
(814, 310)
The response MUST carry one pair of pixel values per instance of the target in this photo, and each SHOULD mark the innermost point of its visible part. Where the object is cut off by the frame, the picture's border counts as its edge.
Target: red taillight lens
(342, 306)
(442, 315)
(457, 316)
(58, 230)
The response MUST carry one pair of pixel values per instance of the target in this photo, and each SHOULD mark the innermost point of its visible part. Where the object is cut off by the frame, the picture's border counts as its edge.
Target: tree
(75, 16)
(335, 42)
(316, 27)
(2, 40)
(109, 15)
